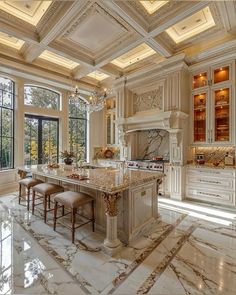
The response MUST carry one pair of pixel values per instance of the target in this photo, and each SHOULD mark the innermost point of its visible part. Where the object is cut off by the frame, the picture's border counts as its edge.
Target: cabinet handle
(209, 181)
(210, 195)
(211, 136)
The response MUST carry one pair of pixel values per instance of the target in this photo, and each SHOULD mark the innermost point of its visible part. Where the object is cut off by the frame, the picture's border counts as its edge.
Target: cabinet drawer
(211, 182)
(212, 172)
(218, 197)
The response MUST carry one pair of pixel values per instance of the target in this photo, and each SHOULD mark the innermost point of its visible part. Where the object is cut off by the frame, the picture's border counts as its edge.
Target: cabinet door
(221, 115)
(200, 117)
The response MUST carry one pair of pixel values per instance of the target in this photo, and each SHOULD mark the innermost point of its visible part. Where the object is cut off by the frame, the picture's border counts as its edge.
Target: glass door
(222, 114)
(200, 113)
(41, 140)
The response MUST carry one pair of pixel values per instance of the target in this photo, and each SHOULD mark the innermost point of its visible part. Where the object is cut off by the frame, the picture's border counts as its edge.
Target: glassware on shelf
(200, 80)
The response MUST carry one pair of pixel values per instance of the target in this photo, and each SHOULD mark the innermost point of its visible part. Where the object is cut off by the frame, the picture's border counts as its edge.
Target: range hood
(154, 119)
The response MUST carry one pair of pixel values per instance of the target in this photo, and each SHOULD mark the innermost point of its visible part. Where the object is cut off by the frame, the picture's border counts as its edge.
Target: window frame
(85, 119)
(59, 108)
(12, 109)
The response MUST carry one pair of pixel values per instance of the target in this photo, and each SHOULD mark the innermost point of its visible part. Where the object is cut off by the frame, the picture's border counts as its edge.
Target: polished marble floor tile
(191, 250)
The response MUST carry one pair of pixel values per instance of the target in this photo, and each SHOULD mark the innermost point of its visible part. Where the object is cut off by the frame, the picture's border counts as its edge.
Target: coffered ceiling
(96, 41)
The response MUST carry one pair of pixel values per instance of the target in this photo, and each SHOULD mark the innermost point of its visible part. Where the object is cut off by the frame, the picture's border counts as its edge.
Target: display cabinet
(212, 105)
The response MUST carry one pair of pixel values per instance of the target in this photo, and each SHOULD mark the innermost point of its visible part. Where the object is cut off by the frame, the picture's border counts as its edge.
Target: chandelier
(96, 101)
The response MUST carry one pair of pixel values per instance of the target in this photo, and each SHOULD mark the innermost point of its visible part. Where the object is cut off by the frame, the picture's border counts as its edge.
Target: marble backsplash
(153, 143)
(213, 154)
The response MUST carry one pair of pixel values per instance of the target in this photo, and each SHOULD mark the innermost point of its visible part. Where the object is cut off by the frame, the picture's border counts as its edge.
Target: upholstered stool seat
(28, 183)
(46, 190)
(73, 200)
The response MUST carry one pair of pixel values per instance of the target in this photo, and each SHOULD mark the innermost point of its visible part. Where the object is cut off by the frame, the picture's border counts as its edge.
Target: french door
(41, 140)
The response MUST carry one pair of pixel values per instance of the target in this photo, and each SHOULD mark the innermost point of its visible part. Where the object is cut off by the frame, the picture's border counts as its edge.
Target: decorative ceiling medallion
(191, 26)
(134, 55)
(58, 59)
(152, 5)
(29, 11)
(11, 41)
(98, 75)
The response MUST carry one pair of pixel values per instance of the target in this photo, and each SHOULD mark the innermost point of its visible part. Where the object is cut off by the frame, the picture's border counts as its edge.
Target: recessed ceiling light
(98, 75)
(58, 59)
(30, 12)
(152, 6)
(11, 41)
(194, 24)
(134, 55)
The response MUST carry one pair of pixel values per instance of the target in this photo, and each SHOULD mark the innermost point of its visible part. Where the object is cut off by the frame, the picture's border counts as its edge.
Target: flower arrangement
(66, 154)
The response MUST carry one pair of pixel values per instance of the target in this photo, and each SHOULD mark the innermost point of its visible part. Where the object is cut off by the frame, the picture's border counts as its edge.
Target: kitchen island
(125, 200)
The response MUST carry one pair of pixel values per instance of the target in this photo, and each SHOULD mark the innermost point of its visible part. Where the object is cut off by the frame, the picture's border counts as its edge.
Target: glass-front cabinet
(212, 105)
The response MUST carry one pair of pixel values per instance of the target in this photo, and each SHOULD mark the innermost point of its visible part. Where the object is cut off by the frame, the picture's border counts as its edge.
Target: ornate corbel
(111, 202)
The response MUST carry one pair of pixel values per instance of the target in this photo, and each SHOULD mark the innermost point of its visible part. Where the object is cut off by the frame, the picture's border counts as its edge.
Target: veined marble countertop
(209, 165)
(108, 180)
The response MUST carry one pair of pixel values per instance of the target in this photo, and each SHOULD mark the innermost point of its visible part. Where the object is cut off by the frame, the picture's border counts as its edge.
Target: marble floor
(191, 250)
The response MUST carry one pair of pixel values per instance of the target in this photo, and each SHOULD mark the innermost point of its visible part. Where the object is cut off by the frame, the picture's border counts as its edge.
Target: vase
(68, 161)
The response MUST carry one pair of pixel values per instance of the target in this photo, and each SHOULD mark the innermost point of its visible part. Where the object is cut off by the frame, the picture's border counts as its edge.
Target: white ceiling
(102, 40)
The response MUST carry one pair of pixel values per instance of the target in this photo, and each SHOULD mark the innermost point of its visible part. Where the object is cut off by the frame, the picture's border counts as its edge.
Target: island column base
(111, 244)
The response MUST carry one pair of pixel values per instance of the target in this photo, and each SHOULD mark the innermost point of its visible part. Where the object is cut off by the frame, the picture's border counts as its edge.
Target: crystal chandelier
(96, 101)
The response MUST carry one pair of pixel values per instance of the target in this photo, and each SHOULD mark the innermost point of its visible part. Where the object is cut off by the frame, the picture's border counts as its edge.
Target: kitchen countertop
(108, 180)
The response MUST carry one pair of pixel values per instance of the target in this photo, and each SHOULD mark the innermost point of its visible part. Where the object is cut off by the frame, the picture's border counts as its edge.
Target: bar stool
(28, 183)
(73, 201)
(46, 190)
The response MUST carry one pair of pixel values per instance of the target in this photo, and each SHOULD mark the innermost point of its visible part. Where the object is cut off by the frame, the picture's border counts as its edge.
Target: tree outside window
(77, 128)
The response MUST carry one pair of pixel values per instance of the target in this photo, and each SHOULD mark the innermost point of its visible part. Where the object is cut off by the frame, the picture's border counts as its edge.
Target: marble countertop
(108, 180)
(210, 165)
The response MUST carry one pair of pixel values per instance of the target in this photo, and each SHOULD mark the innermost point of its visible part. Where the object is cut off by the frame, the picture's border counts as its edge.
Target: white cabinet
(164, 188)
(211, 185)
(212, 105)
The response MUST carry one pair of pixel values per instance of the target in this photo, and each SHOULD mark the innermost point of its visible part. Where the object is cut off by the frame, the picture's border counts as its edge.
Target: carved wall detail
(149, 100)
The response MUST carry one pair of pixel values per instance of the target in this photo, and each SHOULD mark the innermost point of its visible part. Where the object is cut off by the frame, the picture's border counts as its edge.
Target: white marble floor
(191, 250)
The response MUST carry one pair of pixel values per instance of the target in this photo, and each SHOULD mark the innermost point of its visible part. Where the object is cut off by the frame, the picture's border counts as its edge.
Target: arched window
(7, 98)
(78, 127)
(41, 133)
(41, 97)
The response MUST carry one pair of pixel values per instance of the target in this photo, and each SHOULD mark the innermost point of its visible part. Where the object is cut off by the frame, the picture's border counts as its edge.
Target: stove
(151, 165)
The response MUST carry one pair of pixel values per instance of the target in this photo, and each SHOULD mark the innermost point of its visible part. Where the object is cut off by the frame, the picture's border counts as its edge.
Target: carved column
(111, 244)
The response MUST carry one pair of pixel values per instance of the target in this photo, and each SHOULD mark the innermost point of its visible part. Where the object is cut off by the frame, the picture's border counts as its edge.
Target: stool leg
(45, 208)
(28, 198)
(19, 193)
(63, 210)
(93, 219)
(49, 201)
(55, 216)
(73, 212)
(33, 201)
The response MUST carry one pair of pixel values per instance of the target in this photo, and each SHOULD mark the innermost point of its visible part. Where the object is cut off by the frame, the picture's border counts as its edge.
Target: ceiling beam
(160, 48)
(62, 16)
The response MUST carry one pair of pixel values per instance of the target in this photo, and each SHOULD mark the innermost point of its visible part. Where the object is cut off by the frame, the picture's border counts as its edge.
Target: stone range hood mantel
(154, 119)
